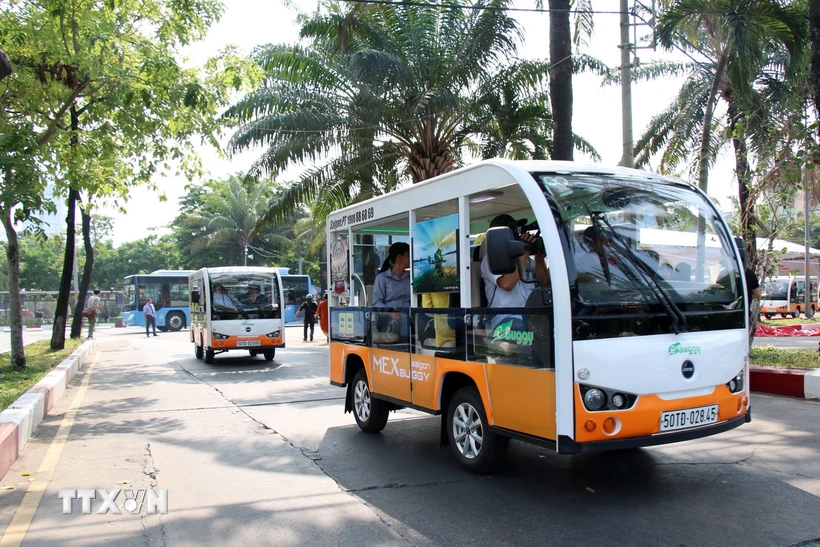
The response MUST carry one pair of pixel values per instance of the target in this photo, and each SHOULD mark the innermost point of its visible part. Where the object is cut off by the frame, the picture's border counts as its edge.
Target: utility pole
(807, 232)
(627, 159)
(245, 257)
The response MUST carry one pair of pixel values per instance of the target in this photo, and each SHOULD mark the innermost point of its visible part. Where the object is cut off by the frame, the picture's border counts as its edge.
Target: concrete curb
(19, 421)
(792, 382)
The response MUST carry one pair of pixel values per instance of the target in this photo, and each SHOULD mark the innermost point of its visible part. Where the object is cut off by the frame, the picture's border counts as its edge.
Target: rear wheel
(371, 414)
(209, 355)
(175, 321)
(475, 447)
(269, 353)
(768, 316)
(198, 353)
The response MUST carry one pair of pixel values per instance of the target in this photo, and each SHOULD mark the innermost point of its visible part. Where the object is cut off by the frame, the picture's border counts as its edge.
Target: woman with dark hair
(392, 287)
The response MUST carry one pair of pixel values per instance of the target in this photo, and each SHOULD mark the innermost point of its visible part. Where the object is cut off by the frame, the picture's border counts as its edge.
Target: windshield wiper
(236, 304)
(672, 309)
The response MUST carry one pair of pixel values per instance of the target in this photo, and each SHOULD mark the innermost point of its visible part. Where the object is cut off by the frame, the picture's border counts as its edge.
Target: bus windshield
(244, 296)
(642, 246)
(776, 289)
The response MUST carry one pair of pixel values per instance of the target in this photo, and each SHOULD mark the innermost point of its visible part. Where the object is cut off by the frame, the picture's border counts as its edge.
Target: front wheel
(474, 446)
(768, 316)
(371, 414)
(269, 353)
(209, 355)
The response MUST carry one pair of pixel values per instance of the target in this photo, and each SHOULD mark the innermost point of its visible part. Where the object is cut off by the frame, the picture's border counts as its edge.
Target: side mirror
(195, 296)
(503, 250)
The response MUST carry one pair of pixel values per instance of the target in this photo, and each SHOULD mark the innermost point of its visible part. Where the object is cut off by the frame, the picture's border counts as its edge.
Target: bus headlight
(619, 400)
(594, 399)
(218, 336)
(274, 334)
(737, 384)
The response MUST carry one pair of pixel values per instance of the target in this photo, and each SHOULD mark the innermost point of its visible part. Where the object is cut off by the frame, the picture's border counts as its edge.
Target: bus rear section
(236, 308)
(636, 337)
(785, 295)
(168, 291)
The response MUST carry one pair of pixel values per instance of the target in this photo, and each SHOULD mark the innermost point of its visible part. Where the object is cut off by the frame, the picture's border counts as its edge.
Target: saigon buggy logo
(678, 348)
(117, 502)
(505, 332)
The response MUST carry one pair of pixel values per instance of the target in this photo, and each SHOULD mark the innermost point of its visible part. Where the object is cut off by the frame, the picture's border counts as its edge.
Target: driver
(510, 290)
(254, 296)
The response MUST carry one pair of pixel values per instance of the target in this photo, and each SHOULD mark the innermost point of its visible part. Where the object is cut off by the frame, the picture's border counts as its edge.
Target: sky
(596, 109)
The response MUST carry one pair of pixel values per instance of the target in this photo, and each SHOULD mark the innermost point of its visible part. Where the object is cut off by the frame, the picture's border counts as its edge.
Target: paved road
(256, 453)
(788, 342)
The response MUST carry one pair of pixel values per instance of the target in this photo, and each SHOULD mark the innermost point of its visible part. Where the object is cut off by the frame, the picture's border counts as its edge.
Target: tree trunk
(561, 78)
(744, 180)
(814, 35)
(708, 115)
(61, 311)
(18, 354)
(85, 281)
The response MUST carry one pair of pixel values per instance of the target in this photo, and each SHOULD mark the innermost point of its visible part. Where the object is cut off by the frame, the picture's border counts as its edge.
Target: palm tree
(230, 217)
(561, 78)
(384, 94)
(737, 35)
(513, 122)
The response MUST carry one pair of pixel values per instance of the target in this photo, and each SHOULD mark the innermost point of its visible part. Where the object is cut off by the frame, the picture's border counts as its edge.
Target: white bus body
(658, 340)
(236, 308)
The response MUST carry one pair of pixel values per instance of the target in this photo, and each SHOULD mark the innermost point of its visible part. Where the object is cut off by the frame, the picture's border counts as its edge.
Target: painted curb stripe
(777, 382)
(17, 529)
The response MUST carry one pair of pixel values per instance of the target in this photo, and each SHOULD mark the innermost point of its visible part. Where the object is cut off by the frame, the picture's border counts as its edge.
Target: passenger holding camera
(510, 290)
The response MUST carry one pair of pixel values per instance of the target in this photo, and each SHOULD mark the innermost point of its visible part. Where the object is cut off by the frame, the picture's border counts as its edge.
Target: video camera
(533, 247)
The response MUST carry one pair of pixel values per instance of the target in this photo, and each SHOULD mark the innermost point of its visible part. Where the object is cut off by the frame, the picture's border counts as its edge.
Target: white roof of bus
(241, 269)
(509, 165)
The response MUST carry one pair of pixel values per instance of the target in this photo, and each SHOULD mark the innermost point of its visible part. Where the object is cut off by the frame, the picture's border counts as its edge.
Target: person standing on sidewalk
(150, 317)
(93, 303)
(309, 307)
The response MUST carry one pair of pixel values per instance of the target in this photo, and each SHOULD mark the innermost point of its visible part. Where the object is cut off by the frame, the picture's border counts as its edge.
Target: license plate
(247, 343)
(690, 417)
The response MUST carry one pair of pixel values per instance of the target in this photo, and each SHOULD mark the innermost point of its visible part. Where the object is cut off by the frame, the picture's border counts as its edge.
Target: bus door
(512, 331)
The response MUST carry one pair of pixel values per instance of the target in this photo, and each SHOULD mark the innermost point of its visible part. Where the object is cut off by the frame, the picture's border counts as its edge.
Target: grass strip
(770, 356)
(40, 360)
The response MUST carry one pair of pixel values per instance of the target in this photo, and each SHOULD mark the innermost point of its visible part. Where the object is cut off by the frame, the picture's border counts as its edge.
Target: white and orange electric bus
(636, 341)
(236, 308)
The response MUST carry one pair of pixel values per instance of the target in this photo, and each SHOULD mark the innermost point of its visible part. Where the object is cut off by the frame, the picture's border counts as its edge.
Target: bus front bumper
(570, 446)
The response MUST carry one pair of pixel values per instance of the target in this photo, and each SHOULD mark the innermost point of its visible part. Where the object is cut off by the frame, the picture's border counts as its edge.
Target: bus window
(513, 323)
(178, 293)
(152, 291)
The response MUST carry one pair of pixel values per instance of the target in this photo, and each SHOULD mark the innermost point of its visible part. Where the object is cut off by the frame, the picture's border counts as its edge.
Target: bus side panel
(475, 371)
(643, 419)
(339, 357)
(390, 373)
(523, 399)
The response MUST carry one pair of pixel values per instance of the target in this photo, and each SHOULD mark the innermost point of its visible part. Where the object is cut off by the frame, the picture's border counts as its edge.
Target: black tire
(371, 414)
(198, 353)
(175, 321)
(768, 316)
(269, 353)
(253, 352)
(484, 456)
(209, 355)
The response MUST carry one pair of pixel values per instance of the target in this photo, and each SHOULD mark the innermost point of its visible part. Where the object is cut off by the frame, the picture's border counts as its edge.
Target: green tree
(115, 102)
(561, 78)
(381, 94)
(229, 219)
(737, 35)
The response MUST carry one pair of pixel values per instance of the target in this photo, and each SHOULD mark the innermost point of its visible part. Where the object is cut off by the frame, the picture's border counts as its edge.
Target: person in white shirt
(510, 290)
(150, 317)
(93, 303)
